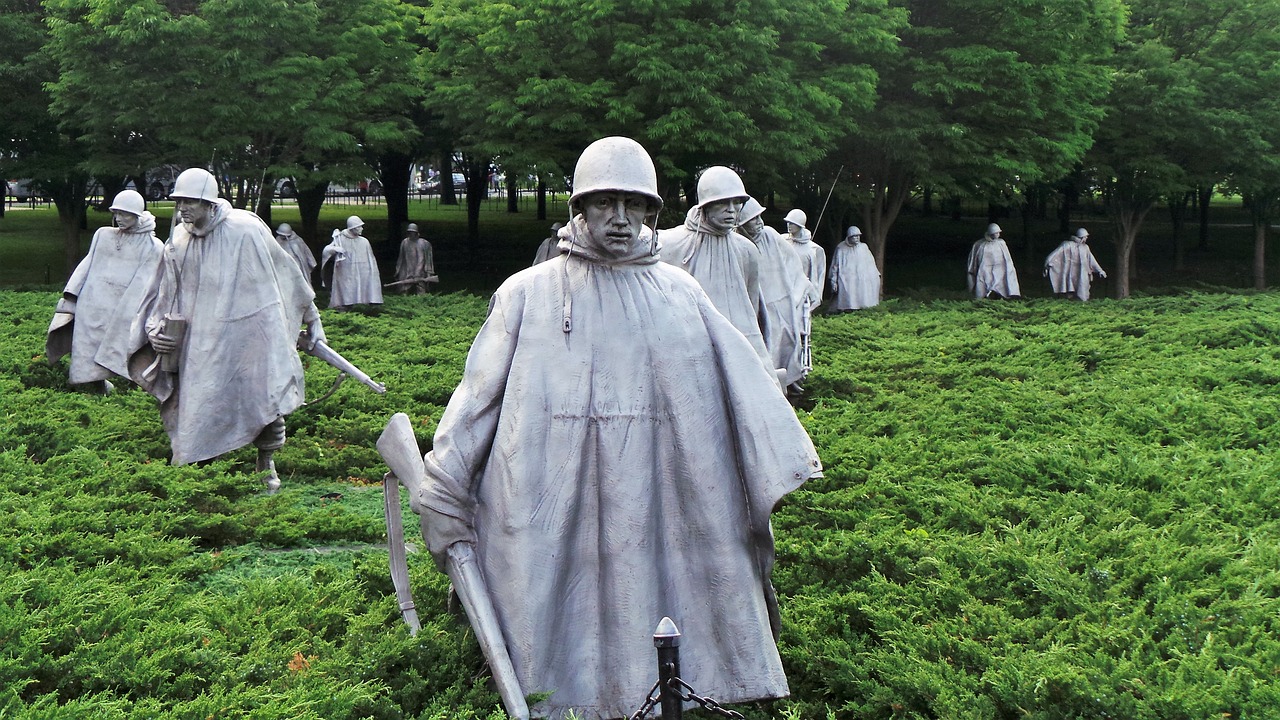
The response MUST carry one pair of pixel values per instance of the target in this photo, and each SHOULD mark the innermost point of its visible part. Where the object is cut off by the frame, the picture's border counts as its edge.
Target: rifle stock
(399, 448)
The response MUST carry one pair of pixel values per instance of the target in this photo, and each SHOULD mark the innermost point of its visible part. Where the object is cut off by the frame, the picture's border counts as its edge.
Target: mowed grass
(1034, 509)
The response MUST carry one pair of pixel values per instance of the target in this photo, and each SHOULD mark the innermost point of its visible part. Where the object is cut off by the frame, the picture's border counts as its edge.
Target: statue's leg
(268, 441)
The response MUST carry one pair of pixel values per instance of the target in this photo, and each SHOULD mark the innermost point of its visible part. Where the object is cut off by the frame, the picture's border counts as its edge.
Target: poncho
(786, 298)
(416, 260)
(618, 473)
(991, 270)
(1070, 268)
(726, 265)
(855, 280)
(301, 254)
(244, 300)
(356, 280)
(812, 258)
(97, 320)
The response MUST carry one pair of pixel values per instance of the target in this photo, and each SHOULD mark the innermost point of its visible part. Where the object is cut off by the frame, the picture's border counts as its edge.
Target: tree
(256, 89)
(759, 84)
(982, 98)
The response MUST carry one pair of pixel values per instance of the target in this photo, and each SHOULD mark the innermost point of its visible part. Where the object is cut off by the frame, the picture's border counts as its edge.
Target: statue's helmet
(284, 229)
(993, 229)
(195, 184)
(617, 164)
(720, 183)
(354, 222)
(751, 209)
(413, 227)
(797, 217)
(129, 201)
(1082, 233)
(853, 231)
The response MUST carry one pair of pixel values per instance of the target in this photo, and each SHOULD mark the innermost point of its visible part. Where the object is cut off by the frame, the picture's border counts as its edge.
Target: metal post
(667, 640)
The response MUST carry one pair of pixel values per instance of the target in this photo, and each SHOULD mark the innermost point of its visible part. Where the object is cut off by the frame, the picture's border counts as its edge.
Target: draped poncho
(726, 265)
(97, 320)
(1070, 268)
(416, 259)
(991, 270)
(786, 298)
(812, 258)
(617, 473)
(855, 280)
(301, 254)
(245, 301)
(355, 271)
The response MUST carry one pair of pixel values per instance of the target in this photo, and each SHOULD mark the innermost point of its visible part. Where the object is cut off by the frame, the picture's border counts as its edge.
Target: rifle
(399, 448)
(346, 368)
(412, 280)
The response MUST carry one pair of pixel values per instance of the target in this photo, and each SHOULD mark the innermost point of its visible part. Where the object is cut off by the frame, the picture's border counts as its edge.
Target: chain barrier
(682, 690)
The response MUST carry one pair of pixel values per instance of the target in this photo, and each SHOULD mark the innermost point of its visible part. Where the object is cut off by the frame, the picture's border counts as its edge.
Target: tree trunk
(1206, 194)
(69, 198)
(477, 180)
(265, 195)
(310, 198)
(1259, 253)
(1129, 218)
(448, 193)
(395, 170)
(542, 198)
(513, 194)
(878, 214)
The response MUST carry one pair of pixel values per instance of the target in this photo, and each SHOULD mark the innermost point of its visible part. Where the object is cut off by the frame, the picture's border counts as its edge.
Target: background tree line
(849, 109)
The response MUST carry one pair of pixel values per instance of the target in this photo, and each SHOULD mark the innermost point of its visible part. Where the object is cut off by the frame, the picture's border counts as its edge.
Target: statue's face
(722, 215)
(126, 221)
(793, 228)
(854, 239)
(194, 211)
(753, 226)
(614, 219)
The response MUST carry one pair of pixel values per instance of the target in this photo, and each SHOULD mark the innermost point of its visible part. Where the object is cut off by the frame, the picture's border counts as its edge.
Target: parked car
(24, 190)
(432, 187)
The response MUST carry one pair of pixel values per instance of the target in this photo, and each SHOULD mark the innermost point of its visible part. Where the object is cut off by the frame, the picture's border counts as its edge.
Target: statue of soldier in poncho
(297, 249)
(603, 457)
(97, 317)
(812, 257)
(354, 273)
(786, 296)
(990, 269)
(854, 277)
(416, 264)
(549, 247)
(1071, 267)
(724, 263)
(223, 322)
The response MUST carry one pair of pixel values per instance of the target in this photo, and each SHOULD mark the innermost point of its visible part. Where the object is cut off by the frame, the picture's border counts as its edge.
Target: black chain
(683, 691)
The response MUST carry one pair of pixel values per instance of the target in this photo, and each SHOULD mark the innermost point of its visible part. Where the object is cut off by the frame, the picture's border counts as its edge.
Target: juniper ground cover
(1035, 509)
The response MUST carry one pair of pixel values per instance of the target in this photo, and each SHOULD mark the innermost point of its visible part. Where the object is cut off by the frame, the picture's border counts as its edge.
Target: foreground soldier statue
(416, 265)
(611, 457)
(812, 257)
(724, 263)
(223, 322)
(355, 276)
(855, 279)
(297, 249)
(97, 317)
(990, 269)
(786, 296)
(1071, 267)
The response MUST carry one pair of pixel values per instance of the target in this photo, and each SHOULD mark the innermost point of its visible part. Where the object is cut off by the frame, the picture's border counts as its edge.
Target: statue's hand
(163, 344)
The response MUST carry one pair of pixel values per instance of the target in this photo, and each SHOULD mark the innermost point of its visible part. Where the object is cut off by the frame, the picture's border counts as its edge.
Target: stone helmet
(993, 229)
(413, 227)
(195, 184)
(354, 222)
(797, 217)
(617, 164)
(853, 231)
(1082, 235)
(129, 201)
(284, 229)
(750, 209)
(720, 183)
